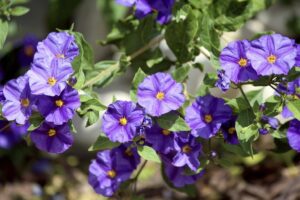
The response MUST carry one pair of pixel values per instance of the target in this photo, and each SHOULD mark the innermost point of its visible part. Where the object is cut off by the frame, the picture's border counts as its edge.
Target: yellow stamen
(52, 132)
(59, 103)
(186, 149)
(123, 121)
(52, 81)
(111, 174)
(29, 50)
(208, 118)
(243, 62)
(166, 132)
(128, 152)
(62, 56)
(271, 59)
(231, 130)
(160, 96)
(25, 102)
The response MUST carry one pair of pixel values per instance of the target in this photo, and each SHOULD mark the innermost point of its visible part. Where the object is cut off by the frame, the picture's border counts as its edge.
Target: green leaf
(255, 96)
(148, 153)
(3, 32)
(181, 73)
(103, 143)
(180, 34)
(92, 118)
(239, 104)
(35, 121)
(294, 107)
(19, 11)
(210, 79)
(80, 77)
(85, 59)
(172, 122)
(138, 78)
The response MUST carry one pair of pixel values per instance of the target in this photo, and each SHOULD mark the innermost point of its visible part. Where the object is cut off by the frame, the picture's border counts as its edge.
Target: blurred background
(26, 173)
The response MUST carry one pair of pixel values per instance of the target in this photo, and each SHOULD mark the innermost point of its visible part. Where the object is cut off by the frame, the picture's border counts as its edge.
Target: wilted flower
(163, 8)
(235, 63)
(179, 176)
(272, 54)
(121, 120)
(206, 115)
(52, 138)
(160, 94)
(223, 82)
(293, 135)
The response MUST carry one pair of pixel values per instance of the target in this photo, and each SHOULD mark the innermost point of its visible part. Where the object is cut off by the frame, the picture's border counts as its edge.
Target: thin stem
(155, 41)
(245, 97)
(152, 43)
(5, 127)
(274, 88)
(138, 174)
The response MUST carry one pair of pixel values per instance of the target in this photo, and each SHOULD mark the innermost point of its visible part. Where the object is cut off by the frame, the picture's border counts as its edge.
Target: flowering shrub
(162, 123)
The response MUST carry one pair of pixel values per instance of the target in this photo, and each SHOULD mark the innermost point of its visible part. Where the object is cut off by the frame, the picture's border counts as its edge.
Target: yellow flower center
(160, 96)
(111, 174)
(52, 132)
(52, 81)
(243, 62)
(62, 56)
(186, 149)
(123, 121)
(128, 152)
(271, 59)
(231, 130)
(29, 50)
(25, 102)
(208, 118)
(59, 103)
(166, 132)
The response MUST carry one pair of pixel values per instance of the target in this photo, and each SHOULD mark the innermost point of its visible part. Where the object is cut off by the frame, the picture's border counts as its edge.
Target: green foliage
(138, 78)
(181, 73)
(3, 32)
(103, 143)
(172, 122)
(148, 153)
(294, 107)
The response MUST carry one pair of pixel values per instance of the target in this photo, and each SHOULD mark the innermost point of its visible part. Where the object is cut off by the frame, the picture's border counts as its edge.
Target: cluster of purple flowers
(163, 8)
(268, 55)
(44, 89)
(134, 124)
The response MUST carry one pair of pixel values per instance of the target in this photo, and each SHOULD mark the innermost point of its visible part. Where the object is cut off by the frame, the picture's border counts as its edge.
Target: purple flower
(188, 151)
(229, 132)
(298, 56)
(111, 168)
(263, 131)
(160, 94)
(57, 46)
(223, 82)
(272, 54)
(27, 50)
(293, 135)
(59, 109)
(235, 63)
(11, 133)
(206, 115)
(2, 98)
(272, 121)
(52, 138)
(179, 177)
(18, 100)
(49, 80)
(161, 140)
(146, 7)
(121, 120)
(286, 113)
